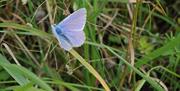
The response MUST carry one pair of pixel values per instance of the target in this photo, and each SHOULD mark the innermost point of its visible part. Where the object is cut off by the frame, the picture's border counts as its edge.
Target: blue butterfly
(69, 32)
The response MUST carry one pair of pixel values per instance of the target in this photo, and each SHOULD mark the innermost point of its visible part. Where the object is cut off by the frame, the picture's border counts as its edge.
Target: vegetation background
(134, 45)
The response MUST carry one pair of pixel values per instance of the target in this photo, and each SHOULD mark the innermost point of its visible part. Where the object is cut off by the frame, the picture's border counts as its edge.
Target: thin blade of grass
(32, 30)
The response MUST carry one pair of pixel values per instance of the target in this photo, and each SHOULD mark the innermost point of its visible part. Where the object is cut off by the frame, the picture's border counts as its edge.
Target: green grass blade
(149, 80)
(32, 30)
(22, 73)
(15, 74)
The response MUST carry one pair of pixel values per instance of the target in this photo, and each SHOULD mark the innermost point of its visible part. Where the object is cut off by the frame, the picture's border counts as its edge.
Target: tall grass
(130, 46)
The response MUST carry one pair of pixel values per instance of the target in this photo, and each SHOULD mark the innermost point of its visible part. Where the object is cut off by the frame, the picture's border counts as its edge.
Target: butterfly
(69, 32)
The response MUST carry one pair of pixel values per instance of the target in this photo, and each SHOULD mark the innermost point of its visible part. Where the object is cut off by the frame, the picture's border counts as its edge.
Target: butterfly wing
(75, 21)
(63, 42)
(71, 29)
(76, 38)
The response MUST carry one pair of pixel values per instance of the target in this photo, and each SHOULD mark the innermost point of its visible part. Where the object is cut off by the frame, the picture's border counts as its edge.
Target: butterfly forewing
(74, 21)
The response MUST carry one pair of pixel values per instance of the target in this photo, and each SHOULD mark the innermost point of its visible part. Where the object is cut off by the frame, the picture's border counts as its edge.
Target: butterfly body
(58, 30)
(69, 32)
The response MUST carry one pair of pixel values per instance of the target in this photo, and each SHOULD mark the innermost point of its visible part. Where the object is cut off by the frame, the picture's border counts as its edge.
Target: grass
(129, 46)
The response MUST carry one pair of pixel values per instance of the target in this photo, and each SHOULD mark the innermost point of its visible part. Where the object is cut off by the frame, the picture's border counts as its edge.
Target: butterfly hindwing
(76, 38)
(64, 43)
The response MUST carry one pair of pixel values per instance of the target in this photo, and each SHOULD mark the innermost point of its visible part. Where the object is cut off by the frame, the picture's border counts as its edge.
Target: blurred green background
(134, 45)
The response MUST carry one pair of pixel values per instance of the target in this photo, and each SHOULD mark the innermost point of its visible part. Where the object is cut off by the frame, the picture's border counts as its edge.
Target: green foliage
(130, 46)
(145, 46)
